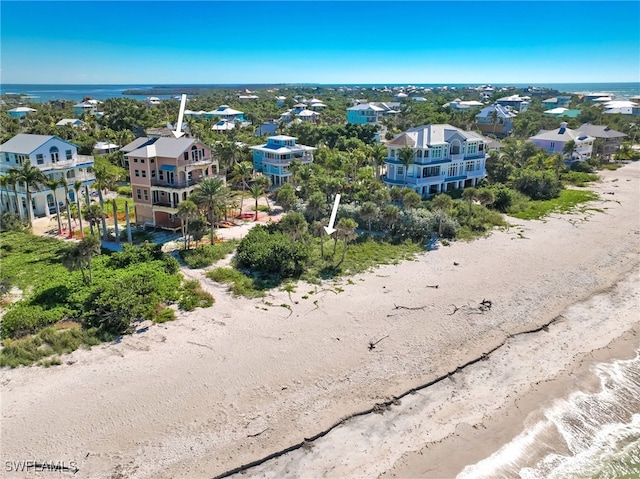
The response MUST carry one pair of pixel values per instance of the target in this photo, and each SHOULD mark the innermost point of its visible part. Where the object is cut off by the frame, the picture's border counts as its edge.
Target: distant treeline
(192, 90)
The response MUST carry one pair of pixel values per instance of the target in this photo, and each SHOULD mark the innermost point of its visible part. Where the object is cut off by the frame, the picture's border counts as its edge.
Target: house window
(20, 159)
(136, 172)
(186, 156)
(452, 170)
(138, 194)
(135, 160)
(40, 159)
(552, 145)
(142, 160)
(152, 160)
(146, 195)
(399, 170)
(144, 173)
(161, 175)
(153, 173)
(71, 174)
(68, 154)
(55, 154)
(6, 157)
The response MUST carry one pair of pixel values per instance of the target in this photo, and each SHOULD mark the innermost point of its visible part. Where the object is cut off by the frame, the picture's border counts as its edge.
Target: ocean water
(44, 93)
(584, 436)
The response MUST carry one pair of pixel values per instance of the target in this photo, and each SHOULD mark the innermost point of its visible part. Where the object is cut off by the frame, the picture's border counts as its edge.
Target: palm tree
(346, 230)
(186, 210)
(470, 194)
(32, 177)
(94, 214)
(316, 206)
(378, 153)
(53, 184)
(319, 231)
(114, 204)
(242, 172)
(494, 119)
(107, 176)
(569, 149)
(66, 203)
(4, 183)
(265, 183)
(256, 192)
(12, 178)
(77, 186)
(209, 194)
(441, 203)
(406, 156)
(390, 216)
(557, 162)
(486, 197)
(368, 211)
(79, 256)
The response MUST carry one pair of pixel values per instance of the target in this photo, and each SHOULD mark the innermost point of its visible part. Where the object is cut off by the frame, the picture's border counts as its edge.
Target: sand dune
(225, 386)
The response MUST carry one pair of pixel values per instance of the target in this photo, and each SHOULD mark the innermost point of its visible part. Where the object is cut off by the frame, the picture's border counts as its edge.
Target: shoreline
(471, 444)
(224, 386)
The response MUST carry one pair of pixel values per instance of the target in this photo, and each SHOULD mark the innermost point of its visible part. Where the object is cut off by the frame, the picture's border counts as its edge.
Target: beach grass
(564, 203)
(206, 255)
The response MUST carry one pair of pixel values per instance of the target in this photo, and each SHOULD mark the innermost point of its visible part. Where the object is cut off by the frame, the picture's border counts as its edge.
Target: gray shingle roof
(164, 147)
(431, 135)
(600, 131)
(24, 143)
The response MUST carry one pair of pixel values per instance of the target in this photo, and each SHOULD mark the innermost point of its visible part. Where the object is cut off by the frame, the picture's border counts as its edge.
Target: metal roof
(25, 144)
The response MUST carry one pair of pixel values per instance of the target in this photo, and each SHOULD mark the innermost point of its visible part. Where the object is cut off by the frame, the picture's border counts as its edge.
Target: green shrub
(25, 318)
(579, 178)
(538, 185)
(239, 283)
(124, 191)
(165, 315)
(581, 166)
(206, 255)
(271, 252)
(193, 296)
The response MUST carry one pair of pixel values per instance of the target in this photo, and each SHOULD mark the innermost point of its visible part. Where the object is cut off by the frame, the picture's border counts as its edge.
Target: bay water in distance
(41, 93)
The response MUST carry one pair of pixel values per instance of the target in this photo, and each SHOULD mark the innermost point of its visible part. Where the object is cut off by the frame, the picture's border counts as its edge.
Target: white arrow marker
(183, 102)
(330, 229)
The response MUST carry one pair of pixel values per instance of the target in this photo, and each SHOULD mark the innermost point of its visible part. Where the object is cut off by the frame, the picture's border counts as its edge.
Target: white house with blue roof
(445, 158)
(273, 158)
(57, 158)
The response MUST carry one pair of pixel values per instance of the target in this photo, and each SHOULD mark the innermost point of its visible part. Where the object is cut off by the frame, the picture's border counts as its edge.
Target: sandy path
(227, 385)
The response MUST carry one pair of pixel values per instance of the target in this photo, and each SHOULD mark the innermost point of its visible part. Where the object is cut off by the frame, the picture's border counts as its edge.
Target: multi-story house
(553, 141)
(89, 107)
(56, 158)
(274, 157)
(517, 102)
(496, 120)
(371, 113)
(445, 158)
(164, 172)
(557, 102)
(225, 112)
(607, 141)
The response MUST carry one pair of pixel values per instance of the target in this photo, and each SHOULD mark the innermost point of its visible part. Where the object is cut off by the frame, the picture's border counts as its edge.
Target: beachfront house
(56, 158)
(164, 172)
(553, 141)
(273, 158)
(496, 120)
(445, 158)
(607, 141)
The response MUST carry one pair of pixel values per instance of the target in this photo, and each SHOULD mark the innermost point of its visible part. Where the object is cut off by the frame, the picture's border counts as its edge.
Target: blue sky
(156, 42)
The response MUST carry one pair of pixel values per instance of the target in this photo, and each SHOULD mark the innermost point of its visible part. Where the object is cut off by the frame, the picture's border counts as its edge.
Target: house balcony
(304, 159)
(176, 185)
(80, 161)
(204, 162)
(456, 157)
(165, 206)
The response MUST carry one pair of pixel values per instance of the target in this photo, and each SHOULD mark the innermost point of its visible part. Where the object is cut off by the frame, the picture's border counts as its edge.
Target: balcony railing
(200, 162)
(78, 161)
(176, 184)
(303, 159)
(165, 204)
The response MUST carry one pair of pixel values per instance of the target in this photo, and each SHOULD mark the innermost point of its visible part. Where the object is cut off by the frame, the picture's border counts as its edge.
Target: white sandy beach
(225, 386)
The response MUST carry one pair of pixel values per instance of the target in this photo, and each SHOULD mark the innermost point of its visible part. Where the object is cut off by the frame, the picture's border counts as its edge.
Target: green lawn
(565, 203)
